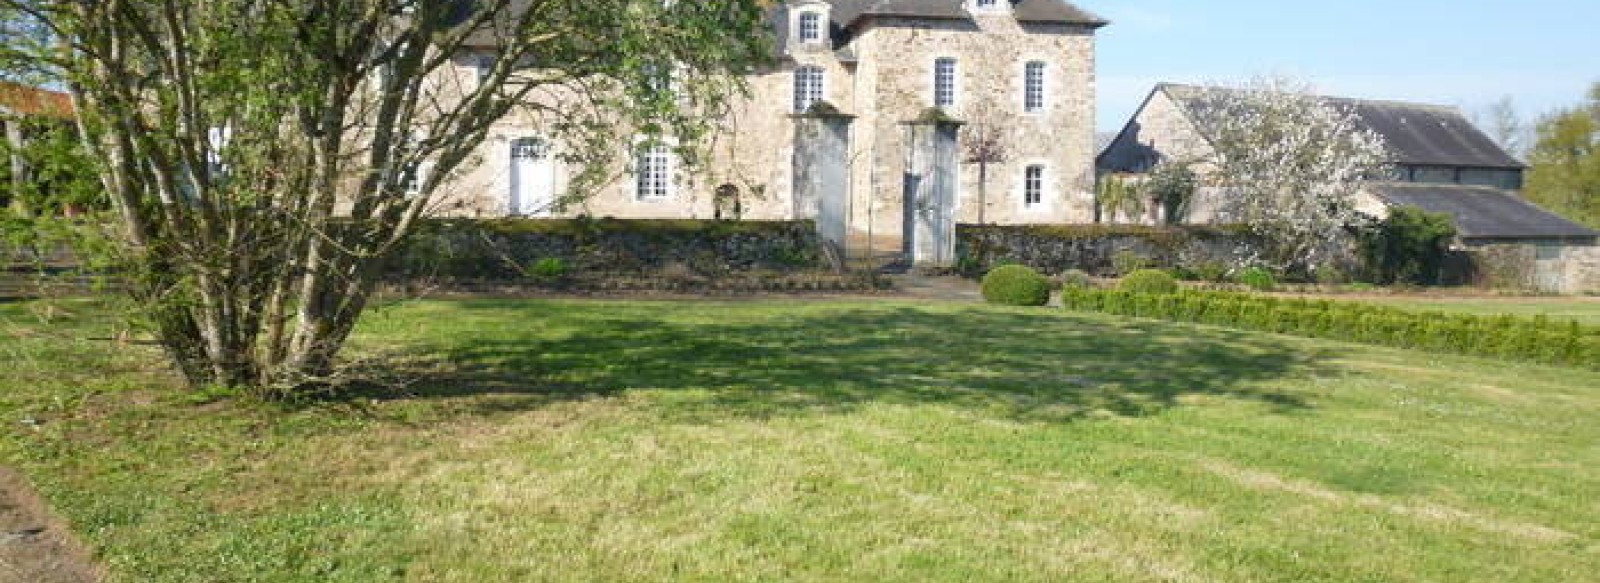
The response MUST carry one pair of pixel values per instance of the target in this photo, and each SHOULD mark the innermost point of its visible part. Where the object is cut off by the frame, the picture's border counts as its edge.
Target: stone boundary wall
(1093, 248)
(1514, 265)
(506, 250)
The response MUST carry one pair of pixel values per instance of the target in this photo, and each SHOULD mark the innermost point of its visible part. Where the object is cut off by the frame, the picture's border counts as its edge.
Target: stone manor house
(1025, 66)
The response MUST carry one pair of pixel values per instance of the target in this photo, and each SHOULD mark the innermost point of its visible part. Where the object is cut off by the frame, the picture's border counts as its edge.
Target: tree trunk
(983, 190)
(19, 166)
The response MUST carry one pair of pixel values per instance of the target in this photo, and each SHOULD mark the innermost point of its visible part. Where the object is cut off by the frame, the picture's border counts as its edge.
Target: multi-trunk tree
(263, 157)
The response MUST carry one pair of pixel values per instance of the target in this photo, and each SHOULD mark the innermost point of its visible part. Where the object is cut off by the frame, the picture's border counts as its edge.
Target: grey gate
(822, 176)
(931, 176)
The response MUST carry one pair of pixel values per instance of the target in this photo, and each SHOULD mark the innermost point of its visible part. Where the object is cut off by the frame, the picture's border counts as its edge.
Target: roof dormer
(988, 6)
(810, 26)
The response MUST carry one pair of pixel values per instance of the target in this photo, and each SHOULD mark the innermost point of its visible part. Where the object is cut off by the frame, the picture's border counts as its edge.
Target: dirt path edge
(35, 545)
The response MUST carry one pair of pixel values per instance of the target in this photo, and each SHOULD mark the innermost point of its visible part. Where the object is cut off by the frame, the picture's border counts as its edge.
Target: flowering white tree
(1291, 163)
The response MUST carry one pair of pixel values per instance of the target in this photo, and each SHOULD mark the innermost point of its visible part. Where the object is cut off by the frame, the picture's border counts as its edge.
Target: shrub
(1258, 278)
(1076, 279)
(1526, 339)
(1149, 281)
(1330, 275)
(1408, 247)
(549, 268)
(1016, 285)
(1125, 262)
(1214, 271)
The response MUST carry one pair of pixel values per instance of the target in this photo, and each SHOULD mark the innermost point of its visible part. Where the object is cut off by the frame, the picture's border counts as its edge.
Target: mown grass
(783, 440)
(1584, 310)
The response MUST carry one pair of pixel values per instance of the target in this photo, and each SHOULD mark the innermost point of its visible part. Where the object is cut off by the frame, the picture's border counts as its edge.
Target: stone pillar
(822, 175)
(931, 179)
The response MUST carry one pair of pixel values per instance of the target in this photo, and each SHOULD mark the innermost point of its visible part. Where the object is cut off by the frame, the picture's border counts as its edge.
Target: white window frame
(990, 5)
(1030, 83)
(483, 65)
(660, 79)
(808, 89)
(937, 83)
(815, 18)
(650, 157)
(414, 176)
(1039, 186)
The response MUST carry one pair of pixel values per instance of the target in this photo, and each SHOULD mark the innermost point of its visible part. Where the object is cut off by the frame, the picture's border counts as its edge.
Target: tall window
(484, 66)
(807, 87)
(653, 167)
(944, 82)
(413, 176)
(810, 27)
(658, 79)
(1033, 186)
(1033, 87)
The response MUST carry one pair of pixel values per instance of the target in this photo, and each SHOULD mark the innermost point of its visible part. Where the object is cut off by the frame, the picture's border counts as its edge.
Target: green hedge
(1526, 339)
(512, 249)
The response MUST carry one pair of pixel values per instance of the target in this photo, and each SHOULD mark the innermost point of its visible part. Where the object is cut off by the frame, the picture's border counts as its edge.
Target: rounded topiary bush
(1149, 281)
(1016, 285)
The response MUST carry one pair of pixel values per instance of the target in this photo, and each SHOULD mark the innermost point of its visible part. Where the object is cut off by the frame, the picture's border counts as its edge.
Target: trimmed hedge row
(1527, 339)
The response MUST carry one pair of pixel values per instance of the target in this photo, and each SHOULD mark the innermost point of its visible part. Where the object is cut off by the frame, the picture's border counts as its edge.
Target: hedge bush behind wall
(1526, 339)
(506, 250)
(1055, 249)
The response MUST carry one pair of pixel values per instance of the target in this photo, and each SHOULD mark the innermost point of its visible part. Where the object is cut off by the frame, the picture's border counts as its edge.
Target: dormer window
(990, 5)
(810, 27)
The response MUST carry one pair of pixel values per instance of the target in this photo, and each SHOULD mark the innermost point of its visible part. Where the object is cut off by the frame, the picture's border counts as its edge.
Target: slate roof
(1481, 212)
(848, 12)
(1417, 134)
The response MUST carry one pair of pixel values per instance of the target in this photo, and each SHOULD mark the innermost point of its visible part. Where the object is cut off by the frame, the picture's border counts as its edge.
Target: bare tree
(265, 156)
(984, 140)
(1501, 120)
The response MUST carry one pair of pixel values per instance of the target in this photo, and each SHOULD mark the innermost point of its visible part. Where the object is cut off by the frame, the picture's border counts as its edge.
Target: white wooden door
(533, 177)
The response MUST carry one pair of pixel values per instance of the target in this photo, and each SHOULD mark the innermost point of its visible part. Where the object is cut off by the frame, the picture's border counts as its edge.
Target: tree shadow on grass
(1022, 365)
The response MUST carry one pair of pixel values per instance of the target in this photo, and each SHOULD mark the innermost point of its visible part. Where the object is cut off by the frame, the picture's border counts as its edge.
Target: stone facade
(880, 71)
(1551, 266)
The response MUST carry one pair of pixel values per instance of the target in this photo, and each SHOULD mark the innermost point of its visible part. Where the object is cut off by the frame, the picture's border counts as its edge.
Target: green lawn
(1584, 310)
(816, 441)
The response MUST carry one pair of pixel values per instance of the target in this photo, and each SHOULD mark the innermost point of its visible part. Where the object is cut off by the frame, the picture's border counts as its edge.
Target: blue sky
(1468, 53)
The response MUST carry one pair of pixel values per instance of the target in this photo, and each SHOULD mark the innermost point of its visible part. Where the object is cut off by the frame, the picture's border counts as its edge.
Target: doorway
(533, 177)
